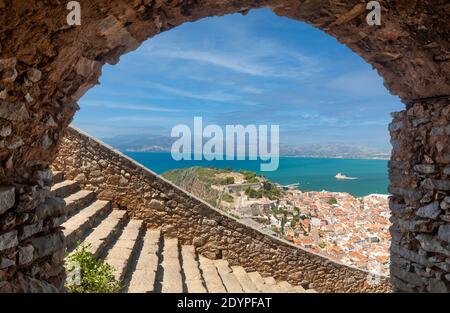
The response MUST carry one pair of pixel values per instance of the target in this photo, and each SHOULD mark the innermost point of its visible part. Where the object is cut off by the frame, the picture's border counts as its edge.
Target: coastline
(281, 156)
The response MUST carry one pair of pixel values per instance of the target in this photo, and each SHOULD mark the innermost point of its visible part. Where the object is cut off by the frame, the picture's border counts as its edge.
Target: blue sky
(254, 69)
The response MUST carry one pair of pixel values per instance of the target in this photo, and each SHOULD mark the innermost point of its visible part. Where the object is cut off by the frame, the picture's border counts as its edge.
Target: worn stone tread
(259, 282)
(271, 285)
(144, 275)
(119, 256)
(172, 279)
(106, 230)
(79, 200)
(210, 275)
(299, 289)
(246, 283)
(77, 225)
(193, 277)
(229, 280)
(285, 286)
(64, 189)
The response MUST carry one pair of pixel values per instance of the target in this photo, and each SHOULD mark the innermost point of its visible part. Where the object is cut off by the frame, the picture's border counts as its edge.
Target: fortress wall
(420, 183)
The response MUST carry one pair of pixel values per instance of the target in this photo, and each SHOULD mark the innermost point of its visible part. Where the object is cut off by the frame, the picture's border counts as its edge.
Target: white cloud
(125, 106)
(229, 62)
(217, 96)
(269, 60)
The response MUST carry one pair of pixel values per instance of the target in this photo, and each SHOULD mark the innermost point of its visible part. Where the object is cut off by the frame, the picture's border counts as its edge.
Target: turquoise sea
(311, 173)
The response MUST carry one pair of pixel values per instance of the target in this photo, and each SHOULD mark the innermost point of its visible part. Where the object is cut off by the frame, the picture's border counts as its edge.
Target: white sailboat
(344, 177)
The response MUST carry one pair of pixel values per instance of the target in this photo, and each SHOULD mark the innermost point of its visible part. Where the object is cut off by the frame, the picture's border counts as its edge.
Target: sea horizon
(125, 151)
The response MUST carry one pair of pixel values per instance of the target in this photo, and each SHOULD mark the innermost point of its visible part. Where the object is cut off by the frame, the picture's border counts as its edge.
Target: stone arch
(46, 66)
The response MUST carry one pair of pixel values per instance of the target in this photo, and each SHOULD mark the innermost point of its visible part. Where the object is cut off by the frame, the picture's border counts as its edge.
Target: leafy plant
(95, 276)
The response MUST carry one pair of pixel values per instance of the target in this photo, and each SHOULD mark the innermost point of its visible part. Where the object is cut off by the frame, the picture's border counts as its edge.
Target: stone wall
(31, 243)
(420, 184)
(159, 203)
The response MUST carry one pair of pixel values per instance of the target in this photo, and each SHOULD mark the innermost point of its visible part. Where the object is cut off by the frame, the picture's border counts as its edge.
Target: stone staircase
(146, 261)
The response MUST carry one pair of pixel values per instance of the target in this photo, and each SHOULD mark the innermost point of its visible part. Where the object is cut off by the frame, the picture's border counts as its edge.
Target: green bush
(332, 201)
(250, 177)
(228, 181)
(272, 194)
(96, 275)
(293, 223)
(227, 198)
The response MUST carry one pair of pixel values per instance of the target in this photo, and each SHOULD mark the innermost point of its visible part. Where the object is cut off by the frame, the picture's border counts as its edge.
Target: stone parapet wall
(420, 205)
(161, 204)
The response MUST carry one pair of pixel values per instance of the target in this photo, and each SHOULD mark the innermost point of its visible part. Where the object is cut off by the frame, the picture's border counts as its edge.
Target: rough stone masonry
(46, 66)
(420, 203)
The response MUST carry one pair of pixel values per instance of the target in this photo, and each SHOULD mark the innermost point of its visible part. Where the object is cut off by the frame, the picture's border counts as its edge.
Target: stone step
(106, 231)
(229, 280)
(172, 279)
(299, 289)
(58, 177)
(191, 270)
(246, 283)
(64, 189)
(210, 275)
(144, 275)
(271, 284)
(285, 286)
(120, 255)
(259, 282)
(78, 225)
(79, 200)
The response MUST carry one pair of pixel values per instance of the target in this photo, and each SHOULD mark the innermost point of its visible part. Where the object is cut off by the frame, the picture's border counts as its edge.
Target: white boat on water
(342, 176)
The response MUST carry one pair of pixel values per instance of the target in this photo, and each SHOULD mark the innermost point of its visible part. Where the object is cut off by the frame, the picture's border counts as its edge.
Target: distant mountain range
(333, 150)
(141, 143)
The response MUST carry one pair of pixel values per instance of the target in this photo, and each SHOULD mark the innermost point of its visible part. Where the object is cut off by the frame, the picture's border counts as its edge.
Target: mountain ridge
(150, 143)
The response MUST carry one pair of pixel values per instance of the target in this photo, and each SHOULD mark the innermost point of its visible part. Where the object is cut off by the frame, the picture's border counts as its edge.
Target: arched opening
(47, 69)
(332, 108)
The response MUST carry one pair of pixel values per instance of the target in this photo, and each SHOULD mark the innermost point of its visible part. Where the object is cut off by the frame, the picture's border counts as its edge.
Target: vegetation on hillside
(268, 190)
(250, 177)
(227, 198)
(200, 181)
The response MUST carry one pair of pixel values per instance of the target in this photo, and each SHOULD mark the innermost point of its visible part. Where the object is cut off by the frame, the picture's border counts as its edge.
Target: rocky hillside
(200, 181)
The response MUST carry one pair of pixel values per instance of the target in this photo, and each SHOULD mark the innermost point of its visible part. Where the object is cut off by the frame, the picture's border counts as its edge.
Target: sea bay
(312, 174)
